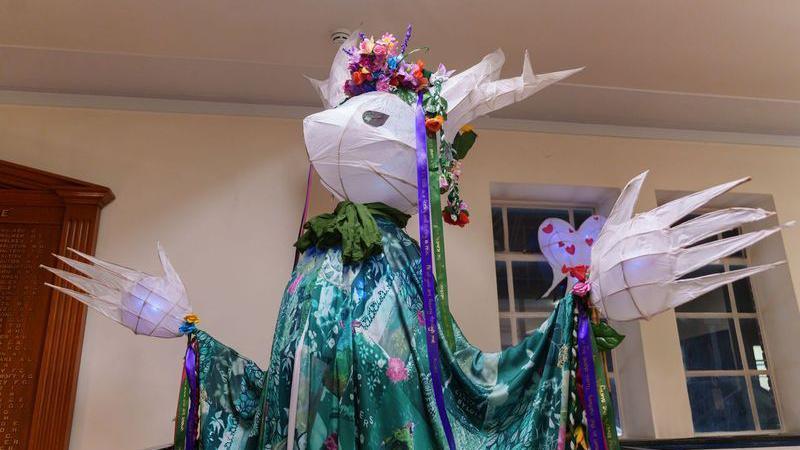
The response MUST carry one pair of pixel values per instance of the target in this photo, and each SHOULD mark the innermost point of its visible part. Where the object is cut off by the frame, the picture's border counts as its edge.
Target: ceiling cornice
(45, 99)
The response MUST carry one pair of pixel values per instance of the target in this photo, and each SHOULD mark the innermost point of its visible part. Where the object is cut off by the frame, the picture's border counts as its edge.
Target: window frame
(745, 371)
(508, 257)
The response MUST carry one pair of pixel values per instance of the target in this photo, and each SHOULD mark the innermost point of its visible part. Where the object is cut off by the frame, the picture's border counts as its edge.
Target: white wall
(224, 195)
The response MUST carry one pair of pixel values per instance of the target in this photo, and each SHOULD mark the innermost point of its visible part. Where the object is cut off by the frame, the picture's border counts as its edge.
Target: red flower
(579, 272)
(434, 124)
(449, 217)
(461, 219)
(360, 77)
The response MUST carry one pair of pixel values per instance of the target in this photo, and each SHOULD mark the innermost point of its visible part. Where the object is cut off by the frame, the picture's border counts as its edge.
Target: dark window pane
(733, 233)
(527, 325)
(685, 219)
(743, 292)
(753, 345)
(714, 301)
(709, 344)
(609, 362)
(502, 285)
(497, 229)
(615, 401)
(581, 215)
(523, 227)
(505, 333)
(765, 402)
(719, 404)
(531, 280)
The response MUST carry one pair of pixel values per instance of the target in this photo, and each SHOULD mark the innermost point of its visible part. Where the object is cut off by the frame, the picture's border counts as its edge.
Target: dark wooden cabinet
(41, 331)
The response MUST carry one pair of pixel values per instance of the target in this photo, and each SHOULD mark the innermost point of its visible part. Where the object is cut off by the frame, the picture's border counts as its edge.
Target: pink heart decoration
(564, 247)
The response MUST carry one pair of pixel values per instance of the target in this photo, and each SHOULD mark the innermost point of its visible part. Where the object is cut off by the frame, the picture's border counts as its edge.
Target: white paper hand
(145, 304)
(638, 262)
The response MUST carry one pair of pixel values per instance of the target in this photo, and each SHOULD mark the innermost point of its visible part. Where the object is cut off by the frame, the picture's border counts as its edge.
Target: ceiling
(702, 65)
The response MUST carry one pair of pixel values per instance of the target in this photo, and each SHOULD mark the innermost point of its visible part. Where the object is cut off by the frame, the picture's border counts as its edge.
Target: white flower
(441, 74)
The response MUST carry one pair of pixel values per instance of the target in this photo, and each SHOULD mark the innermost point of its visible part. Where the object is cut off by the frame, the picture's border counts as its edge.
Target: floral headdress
(382, 65)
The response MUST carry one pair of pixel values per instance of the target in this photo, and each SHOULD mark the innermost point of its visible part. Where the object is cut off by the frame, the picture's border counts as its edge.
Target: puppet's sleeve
(227, 392)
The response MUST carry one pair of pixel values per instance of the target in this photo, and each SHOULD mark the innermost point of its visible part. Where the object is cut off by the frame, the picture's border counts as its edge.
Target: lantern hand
(146, 304)
(639, 262)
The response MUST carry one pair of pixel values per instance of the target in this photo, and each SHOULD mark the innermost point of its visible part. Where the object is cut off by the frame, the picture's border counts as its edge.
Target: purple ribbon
(589, 380)
(190, 366)
(428, 283)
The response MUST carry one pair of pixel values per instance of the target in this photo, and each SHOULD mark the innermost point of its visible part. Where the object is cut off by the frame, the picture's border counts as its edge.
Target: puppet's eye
(374, 118)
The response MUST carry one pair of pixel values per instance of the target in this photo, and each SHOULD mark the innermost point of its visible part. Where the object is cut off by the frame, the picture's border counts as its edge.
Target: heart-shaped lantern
(565, 248)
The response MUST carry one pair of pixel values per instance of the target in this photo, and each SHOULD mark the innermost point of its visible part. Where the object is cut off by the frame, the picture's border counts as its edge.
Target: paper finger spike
(638, 261)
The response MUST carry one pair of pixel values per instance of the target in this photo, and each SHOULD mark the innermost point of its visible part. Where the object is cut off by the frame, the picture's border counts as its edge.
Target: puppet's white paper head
(363, 144)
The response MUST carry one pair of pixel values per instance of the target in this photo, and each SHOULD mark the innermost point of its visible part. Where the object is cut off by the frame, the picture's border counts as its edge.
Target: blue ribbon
(428, 283)
(190, 366)
(586, 367)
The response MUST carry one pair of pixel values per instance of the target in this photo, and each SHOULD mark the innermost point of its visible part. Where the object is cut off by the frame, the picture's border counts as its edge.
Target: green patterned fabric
(352, 338)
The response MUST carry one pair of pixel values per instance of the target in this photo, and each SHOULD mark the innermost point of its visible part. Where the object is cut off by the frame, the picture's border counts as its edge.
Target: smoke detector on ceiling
(339, 35)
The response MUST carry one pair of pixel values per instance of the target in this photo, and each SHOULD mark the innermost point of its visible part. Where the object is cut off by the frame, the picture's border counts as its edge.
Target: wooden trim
(57, 380)
(61, 357)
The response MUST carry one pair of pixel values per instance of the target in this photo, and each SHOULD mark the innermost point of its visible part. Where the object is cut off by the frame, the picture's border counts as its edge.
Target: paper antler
(638, 262)
(331, 90)
(477, 91)
(146, 304)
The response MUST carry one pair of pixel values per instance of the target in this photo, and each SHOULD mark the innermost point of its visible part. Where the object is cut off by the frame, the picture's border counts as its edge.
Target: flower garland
(380, 65)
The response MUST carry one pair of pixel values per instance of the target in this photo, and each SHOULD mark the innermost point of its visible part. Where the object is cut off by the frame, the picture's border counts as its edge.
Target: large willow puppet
(365, 353)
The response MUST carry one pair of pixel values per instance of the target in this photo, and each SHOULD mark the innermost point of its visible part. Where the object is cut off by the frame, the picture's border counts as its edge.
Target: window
(523, 274)
(727, 374)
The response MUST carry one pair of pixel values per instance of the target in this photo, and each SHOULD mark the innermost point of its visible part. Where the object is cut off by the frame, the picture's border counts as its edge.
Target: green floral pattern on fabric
(353, 336)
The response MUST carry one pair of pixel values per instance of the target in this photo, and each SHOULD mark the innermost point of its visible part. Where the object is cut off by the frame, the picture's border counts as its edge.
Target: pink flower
(331, 442)
(457, 169)
(581, 288)
(366, 46)
(396, 370)
(443, 184)
(383, 85)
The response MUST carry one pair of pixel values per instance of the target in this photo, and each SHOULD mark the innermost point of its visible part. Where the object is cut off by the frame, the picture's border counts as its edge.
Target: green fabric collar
(353, 226)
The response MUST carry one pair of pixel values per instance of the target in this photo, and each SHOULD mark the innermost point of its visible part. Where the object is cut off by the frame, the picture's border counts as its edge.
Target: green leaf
(463, 142)
(435, 104)
(605, 337)
(407, 96)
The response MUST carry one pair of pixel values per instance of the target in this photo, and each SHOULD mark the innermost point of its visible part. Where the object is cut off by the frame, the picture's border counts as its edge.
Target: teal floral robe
(349, 369)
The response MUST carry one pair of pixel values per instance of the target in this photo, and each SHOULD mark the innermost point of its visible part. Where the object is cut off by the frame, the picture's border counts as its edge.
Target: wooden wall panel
(33, 194)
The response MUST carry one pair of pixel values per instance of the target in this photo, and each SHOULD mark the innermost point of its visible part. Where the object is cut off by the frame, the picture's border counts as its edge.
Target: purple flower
(383, 84)
(441, 74)
(407, 38)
